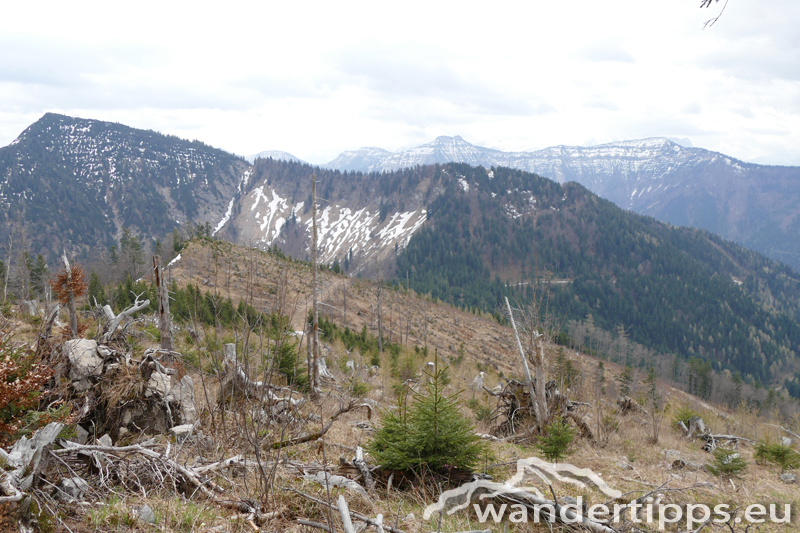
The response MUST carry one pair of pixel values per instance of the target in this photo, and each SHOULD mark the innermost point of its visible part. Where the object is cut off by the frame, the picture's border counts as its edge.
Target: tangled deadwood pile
(514, 412)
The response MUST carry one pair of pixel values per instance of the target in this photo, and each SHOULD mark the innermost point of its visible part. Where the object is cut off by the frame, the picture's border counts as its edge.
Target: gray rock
(182, 393)
(623, 465)
(681, 464)
(789, 478)
(786, 441)
(146, 515)
(671, 454)
(159, 384)
(83, 358)
(82, 436)
(71, 489)
(188, 408)
(82, 385)
(105, 440)
(181, 432)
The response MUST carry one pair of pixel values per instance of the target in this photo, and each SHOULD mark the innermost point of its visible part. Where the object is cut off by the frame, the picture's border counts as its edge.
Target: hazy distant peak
(274, 154)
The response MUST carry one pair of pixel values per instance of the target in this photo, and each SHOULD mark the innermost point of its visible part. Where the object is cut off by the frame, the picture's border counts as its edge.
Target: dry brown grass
(229, 429)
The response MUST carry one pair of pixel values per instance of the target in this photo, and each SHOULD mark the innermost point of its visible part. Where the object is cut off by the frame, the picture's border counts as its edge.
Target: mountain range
(757, 206)
(465, 233)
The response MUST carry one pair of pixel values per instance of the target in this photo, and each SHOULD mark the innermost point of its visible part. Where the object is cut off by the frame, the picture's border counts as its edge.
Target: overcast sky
(316, 78)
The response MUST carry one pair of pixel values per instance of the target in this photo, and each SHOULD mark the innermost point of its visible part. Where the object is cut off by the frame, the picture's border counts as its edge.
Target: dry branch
(314, 436)
(236, 379)
(117, 320)
(353, 514)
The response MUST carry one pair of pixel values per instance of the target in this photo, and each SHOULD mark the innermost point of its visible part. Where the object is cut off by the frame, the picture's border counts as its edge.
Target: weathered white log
(117, 320)
(347, 524)
(108, 312)
(237, 460)
(47, 325)
(188, 474)
(25, 456)
(795, 435)
(331, 480)
(365, 473)
(475, 531)
(696, 424)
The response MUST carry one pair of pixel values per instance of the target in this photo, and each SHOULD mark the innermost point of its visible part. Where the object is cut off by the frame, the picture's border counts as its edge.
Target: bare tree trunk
(528, 378)
(73, 314)
(344, 291)
(538, 369)
(380, 313)
(314, 374)
(164, 318)
(8, 270)
(425, 318)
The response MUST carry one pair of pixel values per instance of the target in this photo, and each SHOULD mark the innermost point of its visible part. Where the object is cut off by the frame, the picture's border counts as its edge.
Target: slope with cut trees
(675, 290)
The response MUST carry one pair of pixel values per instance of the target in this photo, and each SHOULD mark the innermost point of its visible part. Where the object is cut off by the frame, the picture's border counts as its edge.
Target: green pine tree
(96, 290)
(554, 444)
(431, 434)
(625, 379)
(39, 273)
(727, 464)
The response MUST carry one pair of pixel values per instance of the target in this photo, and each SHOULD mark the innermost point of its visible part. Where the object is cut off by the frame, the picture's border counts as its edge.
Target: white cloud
(315, 78)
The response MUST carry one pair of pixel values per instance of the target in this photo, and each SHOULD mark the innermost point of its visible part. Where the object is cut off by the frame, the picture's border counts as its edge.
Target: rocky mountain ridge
(756, 206)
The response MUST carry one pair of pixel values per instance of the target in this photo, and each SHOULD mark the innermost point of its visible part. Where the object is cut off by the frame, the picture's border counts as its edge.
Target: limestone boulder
(85, 361)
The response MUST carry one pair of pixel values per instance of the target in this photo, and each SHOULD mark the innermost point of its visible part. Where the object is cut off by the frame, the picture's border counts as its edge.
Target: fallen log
(344, 512)
(23, 462)
(365, 473)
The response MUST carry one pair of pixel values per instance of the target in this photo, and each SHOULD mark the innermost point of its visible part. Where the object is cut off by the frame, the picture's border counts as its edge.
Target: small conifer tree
(554, 444)
(727, 464)
(430, 434)
(625, 379)
(778, 453)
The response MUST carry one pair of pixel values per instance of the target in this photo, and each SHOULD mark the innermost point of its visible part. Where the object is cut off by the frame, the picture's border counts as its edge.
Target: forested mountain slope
(75, 183)
(675, 290)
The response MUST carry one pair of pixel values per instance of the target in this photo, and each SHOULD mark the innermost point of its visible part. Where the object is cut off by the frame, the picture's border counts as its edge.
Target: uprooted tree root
(514, 413)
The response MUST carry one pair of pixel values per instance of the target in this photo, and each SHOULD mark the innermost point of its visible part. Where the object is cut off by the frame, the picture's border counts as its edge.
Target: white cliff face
(267, 219)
